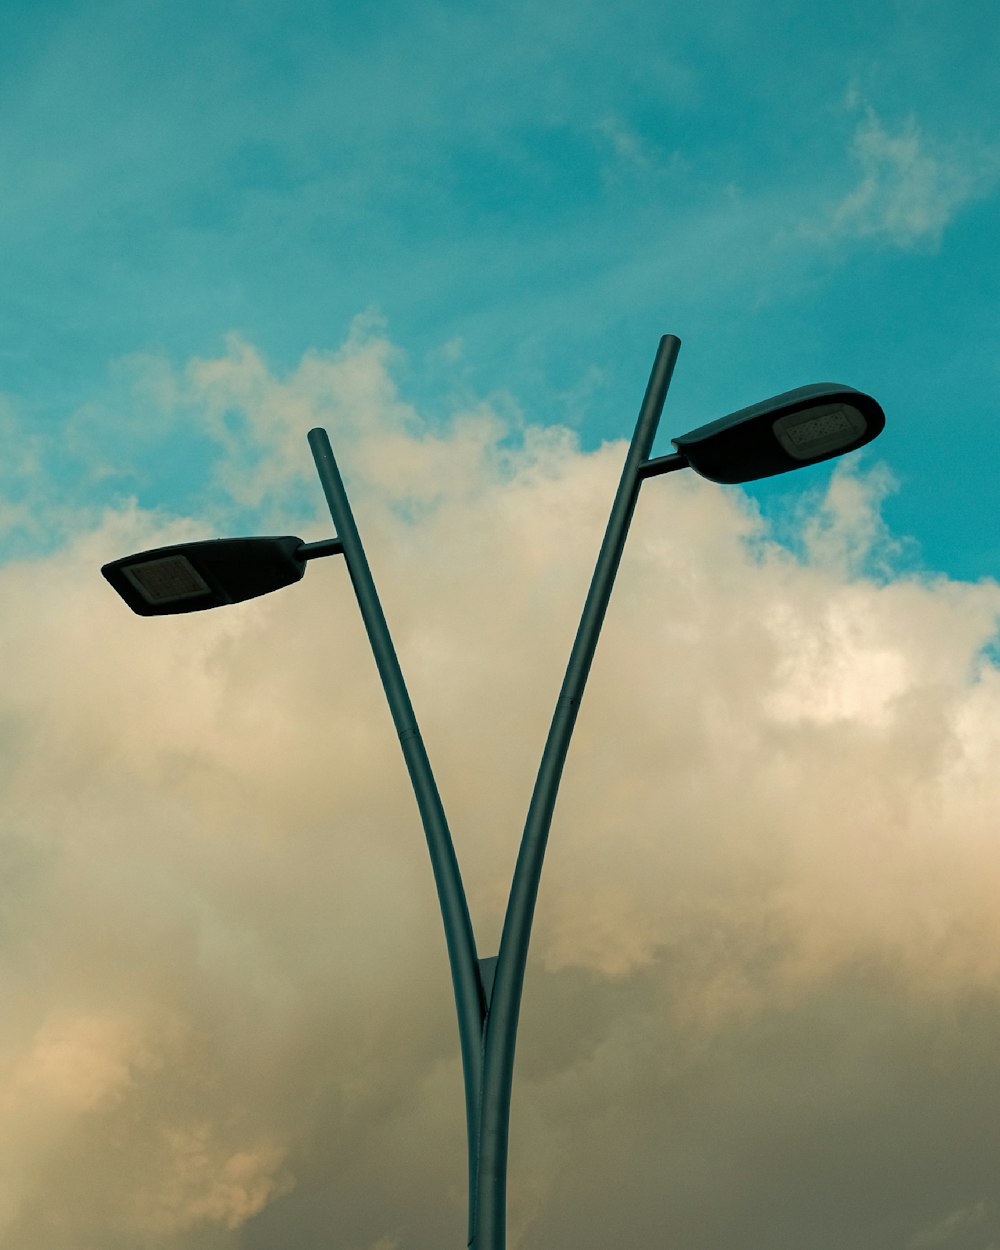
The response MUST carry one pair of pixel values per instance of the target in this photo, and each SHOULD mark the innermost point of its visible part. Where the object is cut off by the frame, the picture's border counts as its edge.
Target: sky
(762, 1007)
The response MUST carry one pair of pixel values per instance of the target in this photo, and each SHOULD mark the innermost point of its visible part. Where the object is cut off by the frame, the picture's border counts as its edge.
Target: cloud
(965, 1220)
(765, 963)
(911, 186)
(628, 148)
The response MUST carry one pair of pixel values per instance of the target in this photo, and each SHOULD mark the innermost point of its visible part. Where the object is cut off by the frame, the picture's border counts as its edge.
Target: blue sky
(528, 200)
(763, 1001)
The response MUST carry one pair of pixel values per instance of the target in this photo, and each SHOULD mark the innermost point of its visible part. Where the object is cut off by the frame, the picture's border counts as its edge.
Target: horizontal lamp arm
(325, 547)
(662, 464)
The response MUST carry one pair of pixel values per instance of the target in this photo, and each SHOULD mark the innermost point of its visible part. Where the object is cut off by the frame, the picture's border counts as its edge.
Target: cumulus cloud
(763, 1001)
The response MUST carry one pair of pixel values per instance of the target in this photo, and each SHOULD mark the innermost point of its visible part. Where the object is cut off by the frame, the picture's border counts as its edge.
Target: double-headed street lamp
(797, 428)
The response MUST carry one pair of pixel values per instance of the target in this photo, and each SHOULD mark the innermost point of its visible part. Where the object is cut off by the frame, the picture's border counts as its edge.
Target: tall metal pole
(487, 1023)
(500, 1033)
(465, 975)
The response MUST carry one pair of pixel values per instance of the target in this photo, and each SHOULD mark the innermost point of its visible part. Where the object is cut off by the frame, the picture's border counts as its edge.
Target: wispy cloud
(911, 185)
(626, 145)
(955, 1229)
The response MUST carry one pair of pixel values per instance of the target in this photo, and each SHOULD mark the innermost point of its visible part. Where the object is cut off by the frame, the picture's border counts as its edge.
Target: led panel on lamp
(818, 430)
(167, 579)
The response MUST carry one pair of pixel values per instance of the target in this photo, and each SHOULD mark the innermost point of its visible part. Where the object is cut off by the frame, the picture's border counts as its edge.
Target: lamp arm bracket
(325, 547)
(661, 464)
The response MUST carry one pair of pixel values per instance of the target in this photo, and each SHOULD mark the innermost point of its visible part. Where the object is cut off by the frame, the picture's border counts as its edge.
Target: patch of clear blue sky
(800, 192)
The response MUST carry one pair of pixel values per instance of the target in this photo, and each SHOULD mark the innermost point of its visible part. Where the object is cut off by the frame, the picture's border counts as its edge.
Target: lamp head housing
(800, 427)
(190, 577)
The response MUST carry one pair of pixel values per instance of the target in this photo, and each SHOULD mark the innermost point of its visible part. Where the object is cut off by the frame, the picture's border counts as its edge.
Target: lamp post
(800, 427)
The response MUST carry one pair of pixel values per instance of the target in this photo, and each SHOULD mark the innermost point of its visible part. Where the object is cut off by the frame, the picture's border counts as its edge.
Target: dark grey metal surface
(451, 893)
(489, 1224)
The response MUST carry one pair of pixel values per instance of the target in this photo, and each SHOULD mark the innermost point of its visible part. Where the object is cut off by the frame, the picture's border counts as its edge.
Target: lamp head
(191, 577)
(800, 427)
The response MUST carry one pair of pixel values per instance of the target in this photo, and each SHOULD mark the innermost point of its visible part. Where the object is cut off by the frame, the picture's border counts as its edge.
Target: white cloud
(911, 186)
(227, 1016)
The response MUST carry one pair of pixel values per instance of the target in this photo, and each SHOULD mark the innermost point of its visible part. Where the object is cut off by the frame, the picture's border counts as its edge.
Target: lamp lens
(167, 579)
(818, 430)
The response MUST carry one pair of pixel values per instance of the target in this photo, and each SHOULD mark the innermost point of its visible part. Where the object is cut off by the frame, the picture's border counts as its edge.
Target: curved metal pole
(489, 1224)
(451, 894)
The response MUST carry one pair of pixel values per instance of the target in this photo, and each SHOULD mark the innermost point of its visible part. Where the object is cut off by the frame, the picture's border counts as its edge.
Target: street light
(800, 427)
(191, 577)
(791, 430)
(797, 428)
